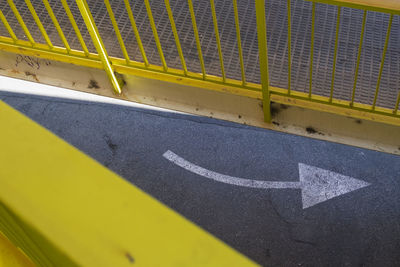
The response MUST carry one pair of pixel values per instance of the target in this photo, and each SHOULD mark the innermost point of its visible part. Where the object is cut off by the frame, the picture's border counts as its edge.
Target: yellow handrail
(385, 6)
(261, 90)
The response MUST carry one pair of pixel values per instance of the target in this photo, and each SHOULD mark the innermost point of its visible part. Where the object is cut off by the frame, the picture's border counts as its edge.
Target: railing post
(263, 55)
(98, 43)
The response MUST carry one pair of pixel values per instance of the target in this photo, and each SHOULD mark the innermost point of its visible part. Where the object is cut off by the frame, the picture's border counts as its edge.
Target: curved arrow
(317, 185)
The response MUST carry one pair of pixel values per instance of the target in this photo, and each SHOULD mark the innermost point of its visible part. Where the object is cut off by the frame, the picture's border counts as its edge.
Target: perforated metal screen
(349, 35)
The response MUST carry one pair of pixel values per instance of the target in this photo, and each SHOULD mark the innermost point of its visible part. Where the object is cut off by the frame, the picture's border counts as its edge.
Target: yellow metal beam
(11, 256)
(385, 6)
(69, 203)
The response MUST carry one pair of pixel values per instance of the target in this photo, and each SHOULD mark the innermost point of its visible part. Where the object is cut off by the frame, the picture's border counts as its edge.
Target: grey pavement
(360, 228)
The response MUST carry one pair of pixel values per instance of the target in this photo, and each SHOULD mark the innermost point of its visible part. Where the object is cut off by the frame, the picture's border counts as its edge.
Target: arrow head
(319, 185)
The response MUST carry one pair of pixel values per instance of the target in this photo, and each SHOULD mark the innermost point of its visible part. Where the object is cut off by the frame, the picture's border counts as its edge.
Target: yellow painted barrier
(65, 209)
(11, 256)
(127, 64)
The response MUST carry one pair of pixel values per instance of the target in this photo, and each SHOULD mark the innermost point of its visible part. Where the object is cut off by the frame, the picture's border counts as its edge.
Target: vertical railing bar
(216, 31)
(176, 37)
(339, 9)
(136, 32)
(39, 23)
(196, 35)
(396, 107)
(382, 61)
(116, 29)
(289, 22)
(358, 57)
(156, 38)
(8, 27)
(21, 21)
(98, 43)
(57, 25)
(263, 55)
(239, 41)
(75, 26)
(312, 49)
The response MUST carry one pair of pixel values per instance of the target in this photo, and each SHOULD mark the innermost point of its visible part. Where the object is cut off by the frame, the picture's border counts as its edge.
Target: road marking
(317, 185)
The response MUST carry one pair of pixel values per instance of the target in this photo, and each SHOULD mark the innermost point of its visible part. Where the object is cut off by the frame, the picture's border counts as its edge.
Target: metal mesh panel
(349, 35)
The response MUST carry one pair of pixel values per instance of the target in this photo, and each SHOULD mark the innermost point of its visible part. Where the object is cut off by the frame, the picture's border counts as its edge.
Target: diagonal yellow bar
(378, 83)
(176, 37)
(215, 21)
(98, 43)
(239, 41)
(38, 23)
(57, 25)
(339, 9)
(136, 32)
(78, 213)
(8, 27)
(155, 34)
(358, 57)
(75, 26)
(116, 29)
(396, 107)
(21, 21)
(196, 36)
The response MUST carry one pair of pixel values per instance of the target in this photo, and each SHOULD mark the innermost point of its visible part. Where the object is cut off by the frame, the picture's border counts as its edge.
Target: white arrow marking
(317, 185)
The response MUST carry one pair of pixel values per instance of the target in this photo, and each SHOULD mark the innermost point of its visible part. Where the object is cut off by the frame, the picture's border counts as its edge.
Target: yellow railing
(262, 90)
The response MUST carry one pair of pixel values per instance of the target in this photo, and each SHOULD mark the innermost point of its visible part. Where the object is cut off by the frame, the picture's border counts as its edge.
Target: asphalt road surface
(349, 226)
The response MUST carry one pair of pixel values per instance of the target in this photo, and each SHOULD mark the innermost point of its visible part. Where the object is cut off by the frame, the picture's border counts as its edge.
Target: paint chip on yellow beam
(87, 213)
